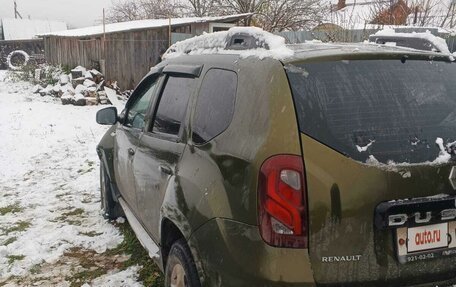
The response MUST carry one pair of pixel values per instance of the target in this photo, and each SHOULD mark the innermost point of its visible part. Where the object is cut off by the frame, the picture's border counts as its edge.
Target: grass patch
(74, 212)
(94, 265)
(149, 273)
(19, 226)
(9, 241)
(91, 233)
(84, 171)
(62, 194)
(36, 269)
(12, 258)
(79, 279)
(74, 222)
(13, 208)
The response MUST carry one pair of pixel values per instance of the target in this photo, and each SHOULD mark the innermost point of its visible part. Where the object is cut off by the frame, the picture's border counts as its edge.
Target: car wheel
(109, 208)
(180, 268)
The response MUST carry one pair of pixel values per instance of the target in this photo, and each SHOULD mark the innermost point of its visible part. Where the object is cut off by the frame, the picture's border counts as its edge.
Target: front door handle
(131, 152)
(166, 170)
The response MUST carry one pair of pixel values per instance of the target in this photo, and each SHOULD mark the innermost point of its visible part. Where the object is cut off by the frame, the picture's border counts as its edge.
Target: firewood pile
(81, 87)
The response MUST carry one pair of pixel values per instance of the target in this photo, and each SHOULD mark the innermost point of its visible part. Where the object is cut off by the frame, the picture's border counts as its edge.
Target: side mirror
(122, 116)
(107, 116)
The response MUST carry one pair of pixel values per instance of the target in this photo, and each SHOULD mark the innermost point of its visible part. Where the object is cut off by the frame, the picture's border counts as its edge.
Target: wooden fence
(32, 47)
(124, 57)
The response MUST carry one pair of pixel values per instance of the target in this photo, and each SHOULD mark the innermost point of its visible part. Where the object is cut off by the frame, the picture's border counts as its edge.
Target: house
(126, 51)
(358, 14)
(371, 14)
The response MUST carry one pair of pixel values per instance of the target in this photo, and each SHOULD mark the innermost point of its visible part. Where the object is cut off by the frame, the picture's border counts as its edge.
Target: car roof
(252, 41)
(315, 49)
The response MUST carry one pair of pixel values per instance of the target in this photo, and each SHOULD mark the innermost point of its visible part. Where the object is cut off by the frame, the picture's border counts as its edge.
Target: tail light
(282, 202)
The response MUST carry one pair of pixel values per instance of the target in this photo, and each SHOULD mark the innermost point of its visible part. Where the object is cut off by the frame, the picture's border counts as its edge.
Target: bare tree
(202, 8)
(156, 9)
(449, 18)
(241, 7)
(275, 15)
(128, 10)
(281, 15)
(423, 12)
(350, 17)
(123, 11)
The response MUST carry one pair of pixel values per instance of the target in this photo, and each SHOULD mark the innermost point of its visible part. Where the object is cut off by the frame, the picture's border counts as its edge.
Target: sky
(76, 13)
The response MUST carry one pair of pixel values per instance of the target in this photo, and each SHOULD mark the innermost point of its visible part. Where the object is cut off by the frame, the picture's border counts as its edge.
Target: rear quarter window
(215, 105)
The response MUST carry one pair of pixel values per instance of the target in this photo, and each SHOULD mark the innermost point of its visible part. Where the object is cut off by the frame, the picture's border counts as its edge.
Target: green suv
(255, 163)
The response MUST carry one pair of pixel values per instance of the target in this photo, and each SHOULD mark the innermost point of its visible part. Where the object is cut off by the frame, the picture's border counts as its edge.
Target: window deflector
(190, 70)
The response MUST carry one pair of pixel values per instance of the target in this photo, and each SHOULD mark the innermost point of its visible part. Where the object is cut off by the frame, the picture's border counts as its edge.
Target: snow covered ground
(49, 194)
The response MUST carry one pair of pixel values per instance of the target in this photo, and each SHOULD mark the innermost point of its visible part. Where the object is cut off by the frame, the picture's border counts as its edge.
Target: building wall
(128, 55)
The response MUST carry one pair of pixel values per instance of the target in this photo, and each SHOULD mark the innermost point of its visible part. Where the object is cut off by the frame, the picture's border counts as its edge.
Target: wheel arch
(105, 151)
(170, 233)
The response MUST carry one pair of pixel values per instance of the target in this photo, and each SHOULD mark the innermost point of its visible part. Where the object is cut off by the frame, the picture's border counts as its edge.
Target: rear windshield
(385, 110)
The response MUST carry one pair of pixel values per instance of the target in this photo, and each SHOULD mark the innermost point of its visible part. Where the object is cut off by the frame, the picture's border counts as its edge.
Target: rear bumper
(231, 253)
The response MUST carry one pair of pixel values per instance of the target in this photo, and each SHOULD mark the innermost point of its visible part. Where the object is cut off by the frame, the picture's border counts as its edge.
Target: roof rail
(247, 41)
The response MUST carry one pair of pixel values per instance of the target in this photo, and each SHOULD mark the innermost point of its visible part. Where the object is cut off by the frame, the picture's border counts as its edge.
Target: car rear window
(387, 110)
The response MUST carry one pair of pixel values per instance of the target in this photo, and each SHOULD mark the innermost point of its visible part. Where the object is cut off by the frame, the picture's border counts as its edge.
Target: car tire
(180, 268)
(110, 209)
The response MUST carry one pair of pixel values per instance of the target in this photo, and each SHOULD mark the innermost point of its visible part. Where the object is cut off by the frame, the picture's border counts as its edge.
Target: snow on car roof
(438, 42)
(141, 24)
(274, 46)
(268, 45)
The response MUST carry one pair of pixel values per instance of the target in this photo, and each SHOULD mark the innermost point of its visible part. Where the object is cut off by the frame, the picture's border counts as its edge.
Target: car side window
(137, 111)
(215, 105)
(173, 105)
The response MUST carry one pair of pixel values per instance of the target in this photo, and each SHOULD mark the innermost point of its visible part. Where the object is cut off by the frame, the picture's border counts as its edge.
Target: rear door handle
(166, 170)
(131, 152)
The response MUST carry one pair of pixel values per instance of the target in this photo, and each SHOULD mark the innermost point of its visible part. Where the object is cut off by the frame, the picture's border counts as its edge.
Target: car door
(161, 146)
(128, 134)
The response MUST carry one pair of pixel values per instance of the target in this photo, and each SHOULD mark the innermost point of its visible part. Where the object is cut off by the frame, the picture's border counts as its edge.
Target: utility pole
(169, 31)
(103, 46)
(391, 13)
(16, 13)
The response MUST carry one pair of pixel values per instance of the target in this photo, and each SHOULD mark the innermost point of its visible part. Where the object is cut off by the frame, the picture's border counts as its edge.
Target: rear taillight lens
(282, 202)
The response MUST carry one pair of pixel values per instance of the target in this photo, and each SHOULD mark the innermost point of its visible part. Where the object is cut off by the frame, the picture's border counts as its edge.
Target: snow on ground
(49, 188)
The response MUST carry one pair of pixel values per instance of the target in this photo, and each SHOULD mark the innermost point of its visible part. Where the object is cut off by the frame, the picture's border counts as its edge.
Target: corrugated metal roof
(142, 24)
(24, 29)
